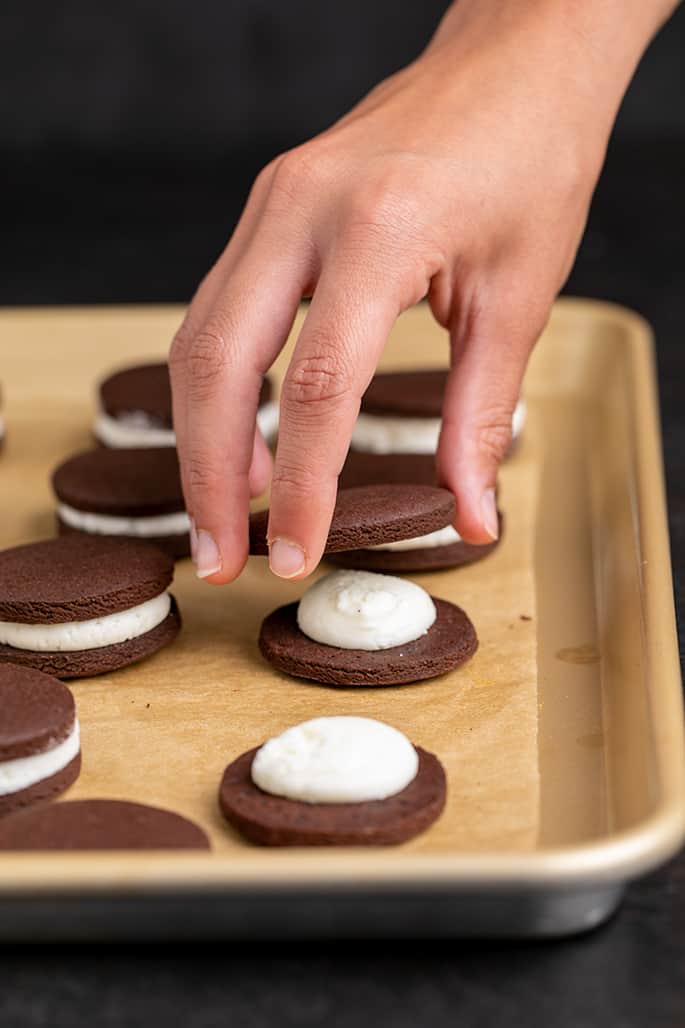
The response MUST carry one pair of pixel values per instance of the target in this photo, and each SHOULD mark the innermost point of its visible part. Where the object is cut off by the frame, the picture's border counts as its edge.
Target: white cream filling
(177, 523)
(267, 421)
(375, 433)
(132, 429)
(23, 772)
(87, 635)
(336, 760)
(360, 610)
(136, 429)
(442, 537)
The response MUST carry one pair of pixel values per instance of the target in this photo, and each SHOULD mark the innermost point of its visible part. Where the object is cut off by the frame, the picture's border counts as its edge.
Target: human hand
(465, 178)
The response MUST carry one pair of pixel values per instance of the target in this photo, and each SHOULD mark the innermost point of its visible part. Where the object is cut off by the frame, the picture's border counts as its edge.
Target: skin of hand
(465, 178)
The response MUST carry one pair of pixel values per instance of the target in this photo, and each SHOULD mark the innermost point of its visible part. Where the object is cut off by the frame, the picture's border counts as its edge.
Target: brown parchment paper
(162, 731)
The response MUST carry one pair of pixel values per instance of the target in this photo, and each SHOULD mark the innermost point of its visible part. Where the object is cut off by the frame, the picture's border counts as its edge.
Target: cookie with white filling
(334, 781)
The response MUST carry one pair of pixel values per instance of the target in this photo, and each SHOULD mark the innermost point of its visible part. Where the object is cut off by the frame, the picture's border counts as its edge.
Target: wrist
(608, 37)
(580, 54)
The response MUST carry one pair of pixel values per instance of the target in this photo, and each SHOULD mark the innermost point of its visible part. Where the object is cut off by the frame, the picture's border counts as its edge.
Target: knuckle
(493, 434)
(205, 359)
(384, 204)
(203, 474)
(295, 478)
(317, 380)
(292, 171)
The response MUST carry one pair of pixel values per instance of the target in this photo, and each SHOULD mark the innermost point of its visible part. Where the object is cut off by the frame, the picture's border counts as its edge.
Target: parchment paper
(162, 731)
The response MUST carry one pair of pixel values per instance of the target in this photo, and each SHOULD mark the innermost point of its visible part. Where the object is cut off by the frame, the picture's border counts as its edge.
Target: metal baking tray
(610, 750)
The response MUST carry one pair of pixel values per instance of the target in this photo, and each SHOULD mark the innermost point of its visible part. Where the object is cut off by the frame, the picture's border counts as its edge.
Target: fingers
(337, 352)
(482, 391)
(260, 467)
(218, 375)
(202, 304)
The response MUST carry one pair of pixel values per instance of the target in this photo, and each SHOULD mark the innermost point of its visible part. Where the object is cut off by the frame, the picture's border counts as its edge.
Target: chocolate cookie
(406, 394)
(146, 389)
(277, 821)
(361, 468)
(126, 485)
(102, 659)
(142, 388)
(374, 514)
(429, 558)
(38, 759)
(76, 579)
(79, 577)
(449, 642)
(100, 825)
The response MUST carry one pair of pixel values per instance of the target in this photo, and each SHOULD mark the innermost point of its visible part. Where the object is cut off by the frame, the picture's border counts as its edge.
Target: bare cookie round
(447, 644)
(83, 605)
(99, 825)
(374, 514)
(130, 493)
(277, 821)
(40, 752)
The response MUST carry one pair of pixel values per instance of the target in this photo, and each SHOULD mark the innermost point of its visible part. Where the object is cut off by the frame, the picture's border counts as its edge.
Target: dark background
(129, 135)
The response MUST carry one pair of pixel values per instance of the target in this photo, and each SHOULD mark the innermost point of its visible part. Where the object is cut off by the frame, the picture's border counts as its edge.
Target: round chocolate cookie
(361, 468)
(429, 558)
(100, 825)
(142, 388)
(80, 578)
(146, 388)
(38, 760)
(374, 514)
(108, 492)
(277, 821)
(450, 641)
(406, 394)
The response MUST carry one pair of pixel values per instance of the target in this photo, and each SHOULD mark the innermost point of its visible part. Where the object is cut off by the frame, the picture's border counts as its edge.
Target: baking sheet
(609, 706)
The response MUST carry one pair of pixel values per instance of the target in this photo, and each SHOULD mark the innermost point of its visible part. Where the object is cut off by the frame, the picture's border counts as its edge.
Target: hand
(465, 178)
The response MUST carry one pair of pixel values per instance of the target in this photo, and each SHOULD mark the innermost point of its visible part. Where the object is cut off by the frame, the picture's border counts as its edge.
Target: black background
(129, 134)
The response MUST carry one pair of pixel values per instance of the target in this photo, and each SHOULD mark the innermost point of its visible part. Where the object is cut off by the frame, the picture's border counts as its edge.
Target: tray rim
(615, 858)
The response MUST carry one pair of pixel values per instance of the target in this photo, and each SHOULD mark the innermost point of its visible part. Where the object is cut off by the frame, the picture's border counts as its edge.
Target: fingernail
(193, 540)
(488, 509)
(286, 559)
(207, 557)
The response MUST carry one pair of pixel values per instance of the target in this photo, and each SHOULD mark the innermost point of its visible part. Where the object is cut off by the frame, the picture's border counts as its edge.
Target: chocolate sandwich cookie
(449, 642)
(435, 552)
(99, 825)
(374, 514)
(387, 468)
(82, 605)
(40, 750)
(407, 394)
(278, 821)
(135, 408)
(130, 493)
(401, 413)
